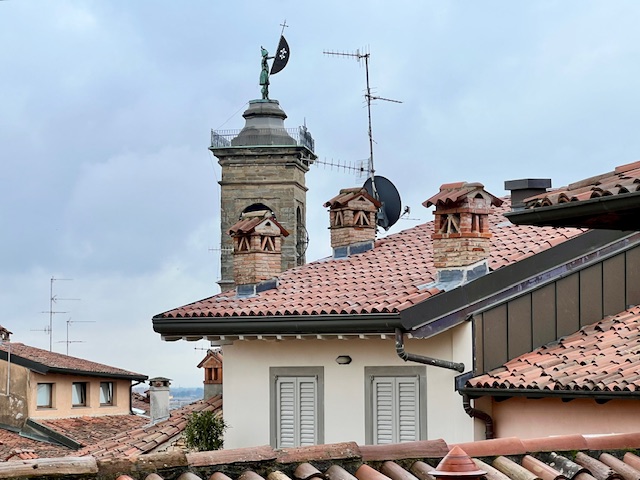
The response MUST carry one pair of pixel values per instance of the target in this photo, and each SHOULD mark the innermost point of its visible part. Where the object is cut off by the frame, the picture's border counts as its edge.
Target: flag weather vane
(280, 60)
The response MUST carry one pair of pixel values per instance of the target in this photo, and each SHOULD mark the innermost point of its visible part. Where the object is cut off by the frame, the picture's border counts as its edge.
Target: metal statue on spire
(280, 60)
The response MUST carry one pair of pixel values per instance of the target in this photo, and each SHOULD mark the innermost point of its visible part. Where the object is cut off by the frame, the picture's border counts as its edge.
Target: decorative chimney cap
(159, 382)
(348, 194)
(252, 222)
(451, 193)
(4, 334)
(457, 464)
(212, 356)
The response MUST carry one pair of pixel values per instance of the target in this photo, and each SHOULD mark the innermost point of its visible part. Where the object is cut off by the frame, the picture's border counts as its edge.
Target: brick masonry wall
(460, 251)
(254, 267)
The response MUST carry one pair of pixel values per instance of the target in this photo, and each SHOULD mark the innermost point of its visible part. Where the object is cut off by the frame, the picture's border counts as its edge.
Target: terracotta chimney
(159, 399)
(461, 238)
(212, 365)
(352, 221)
(457, 465)
(257, 250)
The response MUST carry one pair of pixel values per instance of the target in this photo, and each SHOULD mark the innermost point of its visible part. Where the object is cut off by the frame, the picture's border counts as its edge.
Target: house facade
(42, 384)
(369, 345)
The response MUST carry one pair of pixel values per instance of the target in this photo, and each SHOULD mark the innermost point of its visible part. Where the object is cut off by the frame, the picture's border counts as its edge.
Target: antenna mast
(359, 56)
(53, 299)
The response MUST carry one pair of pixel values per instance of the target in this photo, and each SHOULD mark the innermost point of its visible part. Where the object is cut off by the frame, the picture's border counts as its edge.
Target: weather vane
(280, 60)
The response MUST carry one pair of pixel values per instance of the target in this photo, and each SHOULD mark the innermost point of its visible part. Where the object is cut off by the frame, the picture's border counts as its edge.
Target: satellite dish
(388, 195)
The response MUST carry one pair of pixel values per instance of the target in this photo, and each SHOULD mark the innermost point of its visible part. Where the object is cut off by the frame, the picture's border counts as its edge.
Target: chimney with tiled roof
(461, 237)
(257, 251)
(159, 399)
(352, 221)
(212, 364)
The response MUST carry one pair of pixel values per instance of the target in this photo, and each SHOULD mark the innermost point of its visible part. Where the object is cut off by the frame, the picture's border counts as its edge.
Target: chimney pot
(159, 399)
(525, 188)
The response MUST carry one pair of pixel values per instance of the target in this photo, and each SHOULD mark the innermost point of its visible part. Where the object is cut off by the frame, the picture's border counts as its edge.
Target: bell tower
(263, 168)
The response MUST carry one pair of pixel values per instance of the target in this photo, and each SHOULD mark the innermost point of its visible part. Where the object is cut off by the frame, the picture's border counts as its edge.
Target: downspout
(131, 385)
(480, 415)
(412, 357)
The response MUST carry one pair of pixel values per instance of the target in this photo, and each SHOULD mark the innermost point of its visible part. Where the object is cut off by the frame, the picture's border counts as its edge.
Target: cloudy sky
(106, 109)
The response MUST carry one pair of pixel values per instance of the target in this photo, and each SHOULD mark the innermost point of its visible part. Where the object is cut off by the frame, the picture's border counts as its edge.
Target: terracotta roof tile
(385, 279)
(145, 439)
(600, 357)
(88, 430)
(624, 179)
(60, 362)
(13, 442)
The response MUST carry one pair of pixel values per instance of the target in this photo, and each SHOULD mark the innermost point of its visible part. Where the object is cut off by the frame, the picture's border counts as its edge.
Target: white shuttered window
(396, 409)
(297, 411)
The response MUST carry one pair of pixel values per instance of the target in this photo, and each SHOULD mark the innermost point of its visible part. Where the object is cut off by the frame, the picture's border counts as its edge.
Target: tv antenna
(67, 341)
(53, 299)
(378, 187)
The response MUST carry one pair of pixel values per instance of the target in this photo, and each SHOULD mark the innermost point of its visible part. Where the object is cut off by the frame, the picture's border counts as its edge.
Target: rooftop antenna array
(67, 341)
(379, 187)
(53, 299)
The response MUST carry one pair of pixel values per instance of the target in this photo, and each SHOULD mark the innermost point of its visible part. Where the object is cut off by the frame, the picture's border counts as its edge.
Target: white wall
(246, 384)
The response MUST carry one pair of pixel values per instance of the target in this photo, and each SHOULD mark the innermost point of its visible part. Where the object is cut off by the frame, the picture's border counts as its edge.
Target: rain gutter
(615, 209)
(412, 357)
(328, 324)
(504, 394)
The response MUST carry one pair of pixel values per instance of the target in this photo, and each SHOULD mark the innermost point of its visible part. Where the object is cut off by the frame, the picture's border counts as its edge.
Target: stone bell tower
(263, 168)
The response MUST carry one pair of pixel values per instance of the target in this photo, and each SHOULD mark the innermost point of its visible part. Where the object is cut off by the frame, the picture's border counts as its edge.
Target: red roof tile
(145, 439)
(624, 179)
(89, 430)
(600, 357)
(60, 363)
(12, 442)
(383, 280)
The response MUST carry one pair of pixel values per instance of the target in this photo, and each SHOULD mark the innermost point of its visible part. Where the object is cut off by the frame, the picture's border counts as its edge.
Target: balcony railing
(262, 137)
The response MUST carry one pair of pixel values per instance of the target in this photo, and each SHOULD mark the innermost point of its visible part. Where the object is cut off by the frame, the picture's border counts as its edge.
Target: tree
(204, 431)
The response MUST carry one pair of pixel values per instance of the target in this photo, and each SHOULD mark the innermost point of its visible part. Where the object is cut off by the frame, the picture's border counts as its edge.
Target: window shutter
(396, 409)
(408, 409)
(383, 410)
(297, 411)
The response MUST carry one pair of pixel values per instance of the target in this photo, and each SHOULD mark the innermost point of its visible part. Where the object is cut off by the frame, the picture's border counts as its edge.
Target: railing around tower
(262, 137)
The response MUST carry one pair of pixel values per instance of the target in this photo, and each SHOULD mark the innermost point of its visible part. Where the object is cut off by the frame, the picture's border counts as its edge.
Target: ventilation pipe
(480, 415)
(411, 357)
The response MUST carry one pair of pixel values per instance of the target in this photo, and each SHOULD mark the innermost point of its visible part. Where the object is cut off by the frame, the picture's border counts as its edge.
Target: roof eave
(372, 323)
(504, 393)
(620, 211)
(45, 369)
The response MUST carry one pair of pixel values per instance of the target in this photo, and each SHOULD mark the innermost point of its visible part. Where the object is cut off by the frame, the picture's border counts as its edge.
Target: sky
(106, 108)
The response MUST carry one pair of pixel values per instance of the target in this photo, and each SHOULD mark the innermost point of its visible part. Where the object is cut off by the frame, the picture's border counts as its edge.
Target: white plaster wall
(246, 384)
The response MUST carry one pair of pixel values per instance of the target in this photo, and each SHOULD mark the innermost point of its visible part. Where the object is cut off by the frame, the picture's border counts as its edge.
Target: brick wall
(458, 250)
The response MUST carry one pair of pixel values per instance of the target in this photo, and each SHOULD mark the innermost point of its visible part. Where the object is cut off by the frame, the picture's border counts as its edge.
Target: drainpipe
(131, 385)
(480, 415)
(412, 357)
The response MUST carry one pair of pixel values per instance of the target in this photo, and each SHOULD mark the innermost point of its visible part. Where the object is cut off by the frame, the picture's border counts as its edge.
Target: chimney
(461, 236)
(159, 399)
(352, 221)
(212, 365)
(4, 335)
(525, 188)
(257, 252)
(457, 465)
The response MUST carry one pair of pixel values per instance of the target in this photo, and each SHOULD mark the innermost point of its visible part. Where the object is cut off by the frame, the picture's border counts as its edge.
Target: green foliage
(204, 431)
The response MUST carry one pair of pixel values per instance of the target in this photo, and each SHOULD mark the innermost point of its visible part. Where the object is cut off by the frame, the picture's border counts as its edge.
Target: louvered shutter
(297, 411)
(396, 409)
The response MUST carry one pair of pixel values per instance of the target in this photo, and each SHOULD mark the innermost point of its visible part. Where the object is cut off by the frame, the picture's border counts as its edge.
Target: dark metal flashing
(383, 323)
(621, 212)
(37, 431)
(449, 309)
(505, 393)
(45, 369)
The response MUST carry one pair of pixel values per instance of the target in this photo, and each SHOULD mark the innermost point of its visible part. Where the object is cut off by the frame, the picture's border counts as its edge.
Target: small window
(45, 395)
(79, 394)
(106, 393)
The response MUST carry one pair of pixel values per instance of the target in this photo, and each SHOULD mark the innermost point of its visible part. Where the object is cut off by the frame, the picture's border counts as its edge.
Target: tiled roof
(603, 457)
(348, 194)
(90, 430)
(624, 179)
(602, 357)
(147, 438)
(383, 280)
(450, 193)
(140, 402)
(12, 445)
(37, 358)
